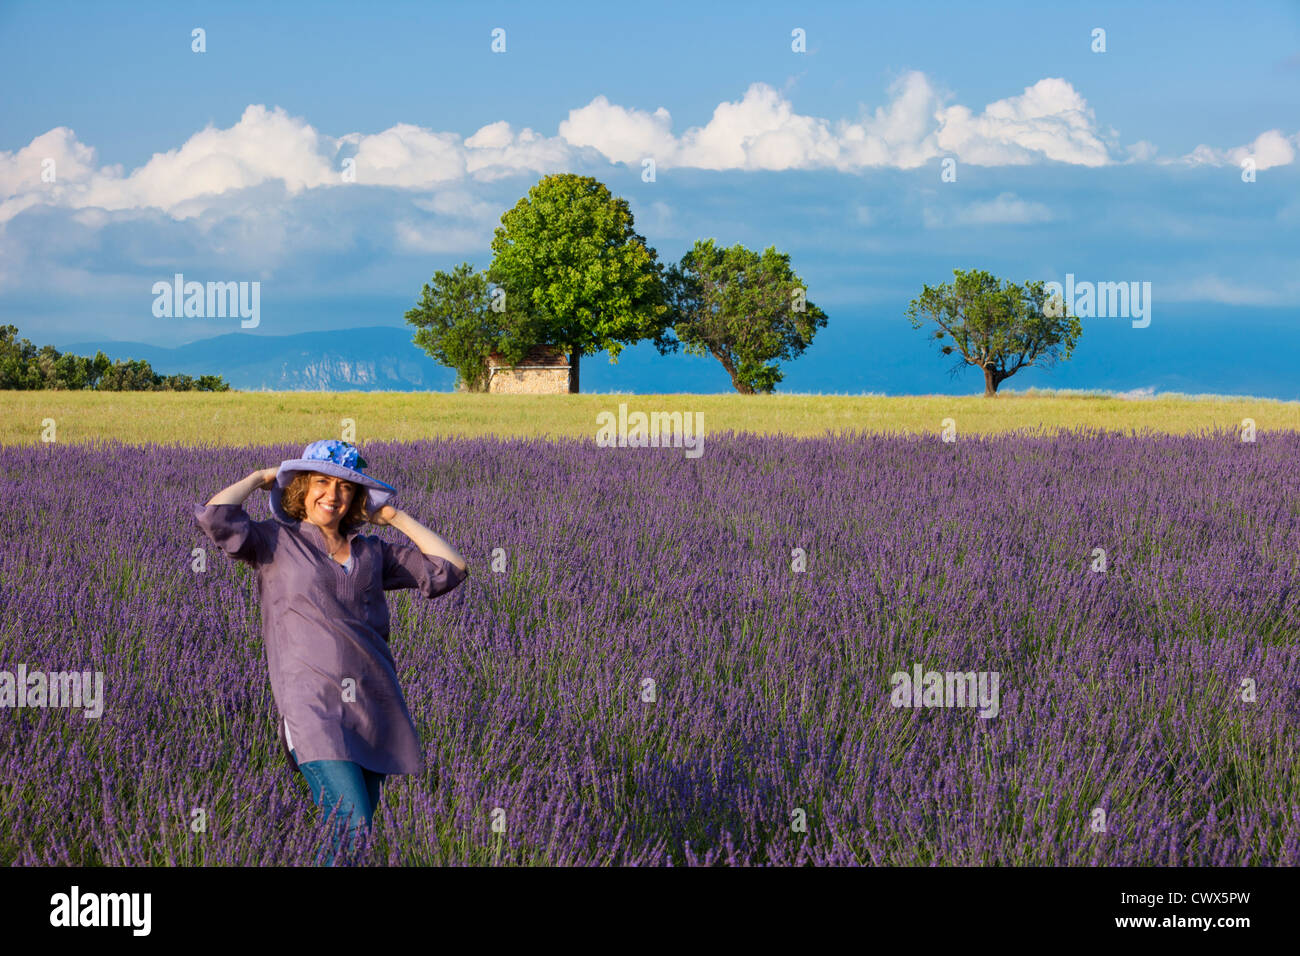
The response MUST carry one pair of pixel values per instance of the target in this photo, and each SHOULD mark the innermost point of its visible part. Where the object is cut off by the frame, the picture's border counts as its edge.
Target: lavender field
(1164, 691)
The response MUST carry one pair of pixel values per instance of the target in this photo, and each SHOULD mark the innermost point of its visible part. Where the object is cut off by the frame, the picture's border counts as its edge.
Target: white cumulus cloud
(1050, 120)
(266, 147)
(620, 134)
(1270, 148)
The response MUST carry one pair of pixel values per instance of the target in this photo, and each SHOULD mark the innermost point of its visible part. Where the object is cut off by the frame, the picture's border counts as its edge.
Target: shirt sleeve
(406, 566)
(232, 530)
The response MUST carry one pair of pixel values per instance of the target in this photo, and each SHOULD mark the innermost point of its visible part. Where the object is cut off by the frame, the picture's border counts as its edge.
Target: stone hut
(545, 370)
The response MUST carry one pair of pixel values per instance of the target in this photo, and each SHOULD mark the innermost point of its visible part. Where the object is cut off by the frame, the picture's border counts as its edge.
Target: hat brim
(381, 494)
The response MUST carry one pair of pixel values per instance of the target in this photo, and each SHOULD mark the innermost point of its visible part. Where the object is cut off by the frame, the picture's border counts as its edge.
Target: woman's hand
(268, 477)
(384, 515)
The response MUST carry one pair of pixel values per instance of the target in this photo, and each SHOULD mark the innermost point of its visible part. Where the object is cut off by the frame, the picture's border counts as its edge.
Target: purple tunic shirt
(322, 625)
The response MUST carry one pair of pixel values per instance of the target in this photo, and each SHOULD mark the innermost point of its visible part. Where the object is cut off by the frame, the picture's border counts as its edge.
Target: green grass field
(255, 418)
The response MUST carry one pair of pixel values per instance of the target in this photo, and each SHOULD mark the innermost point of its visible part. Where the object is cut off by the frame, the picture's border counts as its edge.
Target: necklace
(336, 550)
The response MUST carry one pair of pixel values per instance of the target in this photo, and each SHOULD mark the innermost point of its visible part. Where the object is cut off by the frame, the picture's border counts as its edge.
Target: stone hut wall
(543, 371)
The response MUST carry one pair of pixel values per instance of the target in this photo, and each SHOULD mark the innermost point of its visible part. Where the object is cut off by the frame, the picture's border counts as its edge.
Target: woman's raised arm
(427, 540)
(236, 493)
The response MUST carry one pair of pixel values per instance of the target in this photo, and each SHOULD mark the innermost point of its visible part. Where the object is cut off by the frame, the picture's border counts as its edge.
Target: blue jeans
(347, 785)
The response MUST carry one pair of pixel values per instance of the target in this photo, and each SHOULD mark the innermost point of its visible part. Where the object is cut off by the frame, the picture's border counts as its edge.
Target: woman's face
(327, 500)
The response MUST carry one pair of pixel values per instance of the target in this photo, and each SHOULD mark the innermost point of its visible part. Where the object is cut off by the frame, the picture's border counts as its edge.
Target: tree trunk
(574, 357)
(991, 382)
(742, 387)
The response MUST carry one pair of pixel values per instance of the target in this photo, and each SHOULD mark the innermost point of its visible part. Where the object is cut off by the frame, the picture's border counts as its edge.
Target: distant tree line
(569, 270)
(25, 367)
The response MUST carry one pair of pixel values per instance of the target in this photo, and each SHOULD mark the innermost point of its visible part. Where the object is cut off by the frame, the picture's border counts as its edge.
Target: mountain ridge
(374, 358)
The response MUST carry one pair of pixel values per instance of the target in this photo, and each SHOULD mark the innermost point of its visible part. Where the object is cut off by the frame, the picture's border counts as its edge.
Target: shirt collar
(318, 535)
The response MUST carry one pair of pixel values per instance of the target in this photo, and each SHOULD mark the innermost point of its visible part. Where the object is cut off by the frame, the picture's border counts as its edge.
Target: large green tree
(998, 329)
(457, 325)
(575, 273)
(744, 309)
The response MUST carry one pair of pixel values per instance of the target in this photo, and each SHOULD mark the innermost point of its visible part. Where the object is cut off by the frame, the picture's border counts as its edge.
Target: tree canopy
(458, 326)
(575, 273)
(999, 329)
(744, 309)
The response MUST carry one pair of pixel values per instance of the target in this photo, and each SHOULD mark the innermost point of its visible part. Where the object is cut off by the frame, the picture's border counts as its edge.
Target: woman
(321, 585)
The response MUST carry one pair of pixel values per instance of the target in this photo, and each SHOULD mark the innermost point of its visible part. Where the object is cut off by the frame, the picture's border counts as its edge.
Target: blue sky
(225, 165)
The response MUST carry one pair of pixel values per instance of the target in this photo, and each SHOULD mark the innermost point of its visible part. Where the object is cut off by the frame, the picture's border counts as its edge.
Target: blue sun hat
(330, 457)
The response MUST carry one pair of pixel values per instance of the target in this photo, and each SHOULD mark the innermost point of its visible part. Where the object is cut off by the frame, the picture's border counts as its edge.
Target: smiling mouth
(327, 509)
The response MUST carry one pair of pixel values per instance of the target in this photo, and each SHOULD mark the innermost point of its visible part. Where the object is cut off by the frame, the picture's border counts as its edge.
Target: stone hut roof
(540, 356)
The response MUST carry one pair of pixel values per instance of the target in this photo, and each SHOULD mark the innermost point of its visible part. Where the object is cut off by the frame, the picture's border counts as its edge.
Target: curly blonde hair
(293, 501)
